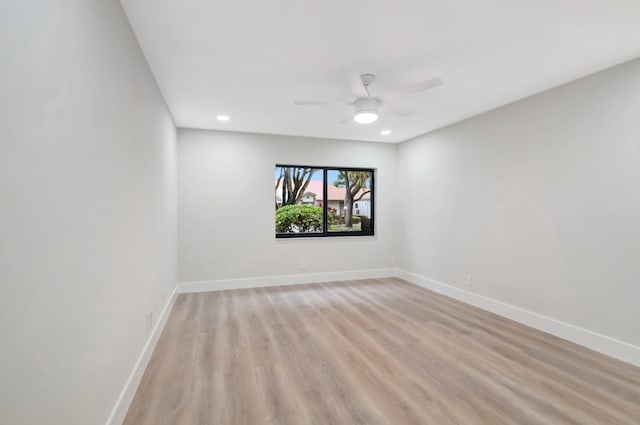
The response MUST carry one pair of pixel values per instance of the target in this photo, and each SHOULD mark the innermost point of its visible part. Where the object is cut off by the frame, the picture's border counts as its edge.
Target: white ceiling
(251, 59)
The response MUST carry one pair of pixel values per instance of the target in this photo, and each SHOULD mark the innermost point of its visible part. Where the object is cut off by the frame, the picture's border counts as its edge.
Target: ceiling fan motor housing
(366, 105)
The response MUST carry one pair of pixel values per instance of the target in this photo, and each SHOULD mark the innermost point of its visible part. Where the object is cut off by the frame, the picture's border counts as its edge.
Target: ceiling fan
(366, 106)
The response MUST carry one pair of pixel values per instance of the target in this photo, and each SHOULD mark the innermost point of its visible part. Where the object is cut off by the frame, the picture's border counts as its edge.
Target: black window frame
(325, 228)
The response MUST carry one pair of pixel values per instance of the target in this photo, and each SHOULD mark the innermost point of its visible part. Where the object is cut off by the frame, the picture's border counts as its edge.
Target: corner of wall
(119, 411)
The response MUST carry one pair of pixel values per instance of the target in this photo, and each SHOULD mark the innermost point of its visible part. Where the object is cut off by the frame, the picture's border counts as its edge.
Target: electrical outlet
(469, 281)
(392, 260)
(303, 265)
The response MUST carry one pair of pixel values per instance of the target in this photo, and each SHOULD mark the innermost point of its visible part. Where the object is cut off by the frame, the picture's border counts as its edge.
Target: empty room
(334, 212)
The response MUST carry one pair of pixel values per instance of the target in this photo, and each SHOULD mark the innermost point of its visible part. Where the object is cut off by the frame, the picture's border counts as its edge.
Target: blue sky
(317, 174)
(332, 175)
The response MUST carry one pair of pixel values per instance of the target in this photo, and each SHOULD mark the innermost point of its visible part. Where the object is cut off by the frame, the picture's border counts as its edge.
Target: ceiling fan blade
(403, 112)
(346, 120)
(414, 88)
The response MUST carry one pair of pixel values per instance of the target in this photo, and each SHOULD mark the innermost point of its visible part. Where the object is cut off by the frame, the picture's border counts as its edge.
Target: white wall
(539, 201)
(226, 214)
(87, 208)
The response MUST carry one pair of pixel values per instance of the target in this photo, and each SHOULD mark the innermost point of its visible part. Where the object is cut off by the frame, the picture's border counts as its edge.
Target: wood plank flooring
(372, 352)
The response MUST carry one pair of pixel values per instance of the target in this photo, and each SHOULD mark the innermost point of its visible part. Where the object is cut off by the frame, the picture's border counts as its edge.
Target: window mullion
(325, 215)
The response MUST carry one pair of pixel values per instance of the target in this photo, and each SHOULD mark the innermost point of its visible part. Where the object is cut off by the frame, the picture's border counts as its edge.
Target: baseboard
(126, 396)
(597, 342)
(291, 279)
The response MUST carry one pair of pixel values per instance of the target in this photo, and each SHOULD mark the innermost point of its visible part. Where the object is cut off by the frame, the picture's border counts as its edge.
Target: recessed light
(385, 132)
(223, 118)
(365, 117)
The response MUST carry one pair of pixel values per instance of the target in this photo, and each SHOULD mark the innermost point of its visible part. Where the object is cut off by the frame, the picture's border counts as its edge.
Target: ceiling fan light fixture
(365, 110)
(365, 117)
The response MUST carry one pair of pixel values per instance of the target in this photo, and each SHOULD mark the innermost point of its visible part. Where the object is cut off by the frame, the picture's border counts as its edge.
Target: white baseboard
(291, 279)
(126, 396)
(601, 343)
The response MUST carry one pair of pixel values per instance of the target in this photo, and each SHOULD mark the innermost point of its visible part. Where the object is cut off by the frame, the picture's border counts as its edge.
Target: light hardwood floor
(378, 351)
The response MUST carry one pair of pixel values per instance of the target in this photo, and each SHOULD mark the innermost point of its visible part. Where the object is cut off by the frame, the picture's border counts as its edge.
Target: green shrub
(298, 219)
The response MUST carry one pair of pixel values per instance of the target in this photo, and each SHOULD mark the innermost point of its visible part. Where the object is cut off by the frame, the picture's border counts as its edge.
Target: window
(323, 201)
